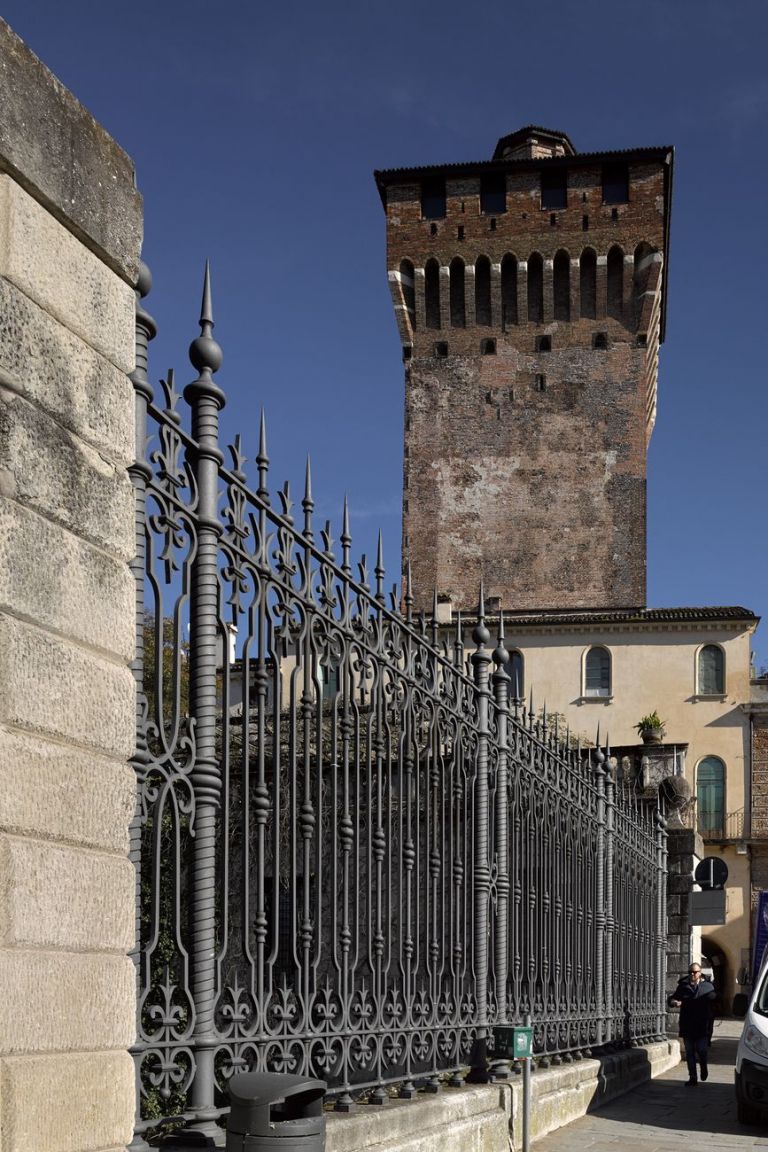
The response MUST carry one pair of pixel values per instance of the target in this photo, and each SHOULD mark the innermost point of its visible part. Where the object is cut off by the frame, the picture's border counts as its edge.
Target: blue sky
(255, 128)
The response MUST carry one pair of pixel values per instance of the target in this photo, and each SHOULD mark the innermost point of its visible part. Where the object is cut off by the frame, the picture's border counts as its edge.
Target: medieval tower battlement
(529, 296)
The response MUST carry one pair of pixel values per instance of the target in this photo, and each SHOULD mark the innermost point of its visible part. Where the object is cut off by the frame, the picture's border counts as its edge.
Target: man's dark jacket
(696, 1007)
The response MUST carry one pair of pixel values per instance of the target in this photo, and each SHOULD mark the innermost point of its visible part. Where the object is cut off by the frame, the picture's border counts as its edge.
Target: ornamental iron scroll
(356, 850)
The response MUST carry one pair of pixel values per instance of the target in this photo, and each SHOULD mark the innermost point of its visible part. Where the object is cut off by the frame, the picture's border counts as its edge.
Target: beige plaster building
(610, 668)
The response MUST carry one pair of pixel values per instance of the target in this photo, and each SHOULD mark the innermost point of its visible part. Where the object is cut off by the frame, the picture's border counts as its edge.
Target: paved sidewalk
(665, 1116)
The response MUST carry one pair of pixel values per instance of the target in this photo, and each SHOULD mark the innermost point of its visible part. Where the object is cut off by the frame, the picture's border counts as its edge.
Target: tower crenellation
(529, 298)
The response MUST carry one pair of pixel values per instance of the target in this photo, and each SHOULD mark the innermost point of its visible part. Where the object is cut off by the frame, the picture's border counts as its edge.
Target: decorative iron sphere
(143, 280)
(480, 633)
(204, 353)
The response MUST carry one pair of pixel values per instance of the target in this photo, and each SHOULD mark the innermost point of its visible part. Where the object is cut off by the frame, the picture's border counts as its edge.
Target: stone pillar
(70, 233)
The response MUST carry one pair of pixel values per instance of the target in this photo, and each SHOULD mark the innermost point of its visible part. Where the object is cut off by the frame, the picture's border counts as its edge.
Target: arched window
(432, 293)
(588, 284)
(535, 289)
(508, 290)
(710, 797)
(710, 671)
(457, 293)
(409, 295)
(514, 669)
(597, 672)
(483, 291)
(561, 275)
(615, 282)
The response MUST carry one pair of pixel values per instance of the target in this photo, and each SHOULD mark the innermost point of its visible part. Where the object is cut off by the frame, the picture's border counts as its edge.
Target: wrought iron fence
(354, 854)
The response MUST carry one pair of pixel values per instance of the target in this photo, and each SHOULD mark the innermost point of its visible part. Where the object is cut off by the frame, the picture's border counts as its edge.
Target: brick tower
(529, 296)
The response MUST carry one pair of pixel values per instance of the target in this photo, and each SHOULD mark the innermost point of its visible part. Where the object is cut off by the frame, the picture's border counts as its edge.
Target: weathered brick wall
(759, 814)
(523, 466)
(70, 229)
(760, 779)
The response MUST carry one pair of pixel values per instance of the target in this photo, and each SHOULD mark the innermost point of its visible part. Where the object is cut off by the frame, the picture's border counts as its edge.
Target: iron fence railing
(354, 855)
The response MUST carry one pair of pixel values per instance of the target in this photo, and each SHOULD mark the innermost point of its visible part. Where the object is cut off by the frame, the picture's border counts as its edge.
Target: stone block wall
(70, 230)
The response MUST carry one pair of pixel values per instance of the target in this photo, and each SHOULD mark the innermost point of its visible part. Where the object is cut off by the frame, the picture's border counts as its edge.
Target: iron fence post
(599, 969)
(610, 922)
(205, 399)
(140, 474)
(481, 658)
(501, 682)
(661, 922)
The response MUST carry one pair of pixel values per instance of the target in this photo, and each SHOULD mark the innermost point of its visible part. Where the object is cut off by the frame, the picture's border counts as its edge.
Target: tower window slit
(508, 291)
(456, 294)
(483, 291)
(432, 294)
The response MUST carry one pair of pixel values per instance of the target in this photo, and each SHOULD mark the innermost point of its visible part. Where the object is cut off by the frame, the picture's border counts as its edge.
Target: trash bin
(275, 1112)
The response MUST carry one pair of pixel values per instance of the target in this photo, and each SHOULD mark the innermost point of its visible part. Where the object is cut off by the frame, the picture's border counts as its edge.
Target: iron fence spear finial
(408, 592)
(346, 539)
(262, 460)
(308, 503)
(500, 653)
(204, 352)
(378, 570)
(459, 643)
(480, 633)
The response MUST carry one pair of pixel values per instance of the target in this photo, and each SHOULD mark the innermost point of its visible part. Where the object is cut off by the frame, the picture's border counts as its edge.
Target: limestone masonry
(529, 297)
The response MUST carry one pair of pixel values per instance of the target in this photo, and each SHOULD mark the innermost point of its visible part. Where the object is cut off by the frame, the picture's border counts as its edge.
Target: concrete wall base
(490, 1118)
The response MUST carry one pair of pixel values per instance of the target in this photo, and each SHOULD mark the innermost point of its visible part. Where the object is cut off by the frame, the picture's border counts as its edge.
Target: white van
(752, 1055)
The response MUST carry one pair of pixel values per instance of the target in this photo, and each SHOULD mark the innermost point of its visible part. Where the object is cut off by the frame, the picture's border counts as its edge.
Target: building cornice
(736, 619)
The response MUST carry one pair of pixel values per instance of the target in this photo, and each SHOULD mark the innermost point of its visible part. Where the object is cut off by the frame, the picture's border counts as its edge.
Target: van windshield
(760, 1004)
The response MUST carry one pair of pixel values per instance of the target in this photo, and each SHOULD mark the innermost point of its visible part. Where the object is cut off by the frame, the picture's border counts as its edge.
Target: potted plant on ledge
(651, 728)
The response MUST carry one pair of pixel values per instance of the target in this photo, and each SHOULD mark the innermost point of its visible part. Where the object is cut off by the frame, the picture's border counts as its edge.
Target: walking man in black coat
(695, 999)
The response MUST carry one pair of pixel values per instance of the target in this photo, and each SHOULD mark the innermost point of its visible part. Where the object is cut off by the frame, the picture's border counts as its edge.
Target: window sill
(596, 699)
(712, 697)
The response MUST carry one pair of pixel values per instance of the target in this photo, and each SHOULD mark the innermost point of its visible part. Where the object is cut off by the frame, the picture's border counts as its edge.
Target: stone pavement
(665, 1116)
